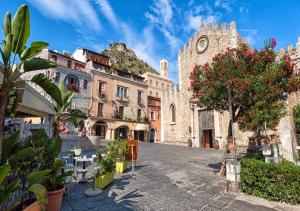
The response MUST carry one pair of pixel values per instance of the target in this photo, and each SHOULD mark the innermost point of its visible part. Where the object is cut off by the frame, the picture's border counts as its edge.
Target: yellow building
(118, 99)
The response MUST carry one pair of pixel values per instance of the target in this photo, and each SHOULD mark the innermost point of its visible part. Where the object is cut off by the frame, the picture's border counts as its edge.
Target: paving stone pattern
(166, 178)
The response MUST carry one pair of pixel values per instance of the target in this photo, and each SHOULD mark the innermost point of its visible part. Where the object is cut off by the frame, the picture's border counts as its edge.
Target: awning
(141, 127)
(33, 103)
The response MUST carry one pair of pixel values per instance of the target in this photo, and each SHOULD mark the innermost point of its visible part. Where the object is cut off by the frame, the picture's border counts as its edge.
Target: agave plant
(61, 106)
(17, 58)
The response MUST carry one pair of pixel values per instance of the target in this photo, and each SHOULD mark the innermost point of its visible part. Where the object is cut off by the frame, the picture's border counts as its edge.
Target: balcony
(102, 96)
(140, 102)
(73, 88)
(122, 99)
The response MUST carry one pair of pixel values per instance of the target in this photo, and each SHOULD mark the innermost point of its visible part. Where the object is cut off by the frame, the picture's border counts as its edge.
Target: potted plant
(105, 172)
(49, 160)
(20, 170)
(118, 151)
(216, 144)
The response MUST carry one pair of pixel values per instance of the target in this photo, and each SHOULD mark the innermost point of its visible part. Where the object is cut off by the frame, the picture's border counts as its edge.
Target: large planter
(216, 146)
(121, 166)
(55, 199)
(33, 207)
(104, 180)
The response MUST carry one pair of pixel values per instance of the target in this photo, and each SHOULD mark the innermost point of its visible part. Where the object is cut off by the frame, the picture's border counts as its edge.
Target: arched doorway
(99, 129)
(152, 135)
(121, 132)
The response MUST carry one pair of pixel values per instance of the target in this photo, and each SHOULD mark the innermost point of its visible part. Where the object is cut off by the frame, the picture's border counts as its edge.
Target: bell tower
(164, 68)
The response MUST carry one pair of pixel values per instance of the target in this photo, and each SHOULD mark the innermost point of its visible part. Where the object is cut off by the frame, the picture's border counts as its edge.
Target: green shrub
(276, 182)
(117, 150)
(106, 164)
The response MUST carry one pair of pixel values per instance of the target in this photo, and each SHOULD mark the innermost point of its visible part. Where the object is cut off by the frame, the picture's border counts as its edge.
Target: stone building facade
(72, 72)
(157, 84)
(290, 144)
(118, 99)
(181, 119)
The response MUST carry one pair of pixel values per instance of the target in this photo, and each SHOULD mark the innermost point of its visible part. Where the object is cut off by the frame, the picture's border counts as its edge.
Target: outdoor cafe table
(82, 170)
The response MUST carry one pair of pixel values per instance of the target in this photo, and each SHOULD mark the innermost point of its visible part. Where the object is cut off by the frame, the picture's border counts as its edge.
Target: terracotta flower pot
(55, 199)
(216, 146)
(230, 147)
(33, 207)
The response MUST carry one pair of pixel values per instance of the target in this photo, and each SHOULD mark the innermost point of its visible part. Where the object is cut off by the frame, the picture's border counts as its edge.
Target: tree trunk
(55, 129)
(3, 105)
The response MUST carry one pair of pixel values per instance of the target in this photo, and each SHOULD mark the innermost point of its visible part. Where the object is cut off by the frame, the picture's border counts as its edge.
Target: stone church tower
(194, 123)
(164, 68)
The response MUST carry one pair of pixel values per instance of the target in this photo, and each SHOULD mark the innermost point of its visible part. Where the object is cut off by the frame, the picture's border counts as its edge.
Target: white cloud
(163, 10)
(172, 40)
(161, 16)
(194, 22)
(79, 12)
(225, 4)
(142, 43)
(250, 35)
(108, 12)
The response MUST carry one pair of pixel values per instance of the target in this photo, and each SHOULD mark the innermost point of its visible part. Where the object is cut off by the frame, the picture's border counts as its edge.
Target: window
(150, 82)
(100, 109)
(139, 114)
(69, 64)
(101, 88)
(139, 97)
(72, 83)
(121, 91)
(57, 77)
(152, 115)
(85, 84)
(173, 112)
(156, 83)
(150, 93)
(121, 111)
(54, 57)
(156, 94)
(79, 66)
(162, 85)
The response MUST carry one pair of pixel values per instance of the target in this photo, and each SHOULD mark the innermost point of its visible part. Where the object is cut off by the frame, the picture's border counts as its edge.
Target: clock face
(202, 44)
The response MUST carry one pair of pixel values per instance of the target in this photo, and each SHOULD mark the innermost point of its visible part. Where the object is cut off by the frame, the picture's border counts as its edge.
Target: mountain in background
(125, 58)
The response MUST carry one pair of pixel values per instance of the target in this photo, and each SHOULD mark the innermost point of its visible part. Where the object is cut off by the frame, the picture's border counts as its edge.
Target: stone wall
(187, 124)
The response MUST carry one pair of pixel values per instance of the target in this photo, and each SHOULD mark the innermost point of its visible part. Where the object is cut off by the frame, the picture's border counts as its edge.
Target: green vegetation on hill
(125, 58)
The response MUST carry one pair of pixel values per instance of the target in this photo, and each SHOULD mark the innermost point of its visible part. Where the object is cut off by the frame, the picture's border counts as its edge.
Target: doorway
(139, 135)
(207, 139)
(152, 135)
(121, 133)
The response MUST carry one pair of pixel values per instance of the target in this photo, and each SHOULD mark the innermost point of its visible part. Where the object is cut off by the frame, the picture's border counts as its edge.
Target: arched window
(57, 77)
(173, 112)
(72, 83)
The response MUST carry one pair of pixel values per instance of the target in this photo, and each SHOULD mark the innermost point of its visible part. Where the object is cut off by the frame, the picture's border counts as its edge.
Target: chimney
(164, 68)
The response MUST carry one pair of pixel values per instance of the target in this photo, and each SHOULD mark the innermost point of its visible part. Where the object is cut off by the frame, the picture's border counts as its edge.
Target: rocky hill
(125, 58)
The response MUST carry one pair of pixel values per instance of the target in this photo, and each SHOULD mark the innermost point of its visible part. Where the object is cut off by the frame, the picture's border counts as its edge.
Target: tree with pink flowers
(257, 80)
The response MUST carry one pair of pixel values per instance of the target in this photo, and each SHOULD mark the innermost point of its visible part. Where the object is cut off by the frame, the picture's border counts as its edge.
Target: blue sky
(155, 29)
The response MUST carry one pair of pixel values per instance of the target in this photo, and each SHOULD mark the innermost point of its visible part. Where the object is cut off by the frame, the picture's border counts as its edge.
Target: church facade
(183, 122)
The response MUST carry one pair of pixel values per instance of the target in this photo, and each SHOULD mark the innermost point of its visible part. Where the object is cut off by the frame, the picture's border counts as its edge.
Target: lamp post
(233, 139)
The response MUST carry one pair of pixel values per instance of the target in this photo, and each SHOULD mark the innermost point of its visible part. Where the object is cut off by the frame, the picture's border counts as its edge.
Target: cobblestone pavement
(167, 178)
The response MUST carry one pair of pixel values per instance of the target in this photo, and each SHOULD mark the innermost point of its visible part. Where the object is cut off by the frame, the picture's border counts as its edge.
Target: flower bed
(276, 182)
